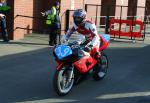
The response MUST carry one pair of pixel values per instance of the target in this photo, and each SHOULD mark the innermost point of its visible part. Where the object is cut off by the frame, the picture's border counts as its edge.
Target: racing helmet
(79, 16)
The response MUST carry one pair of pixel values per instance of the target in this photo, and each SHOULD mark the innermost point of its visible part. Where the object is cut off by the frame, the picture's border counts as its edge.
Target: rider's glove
(88, 48)
(64, 39)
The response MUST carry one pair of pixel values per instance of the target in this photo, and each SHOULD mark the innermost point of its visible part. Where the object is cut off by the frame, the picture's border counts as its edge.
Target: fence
(102, 20)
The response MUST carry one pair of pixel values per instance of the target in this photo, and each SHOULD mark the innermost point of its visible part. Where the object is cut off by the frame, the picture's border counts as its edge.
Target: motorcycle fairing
(104, 41)
(85, 64)
(59, 65)
(106, 37)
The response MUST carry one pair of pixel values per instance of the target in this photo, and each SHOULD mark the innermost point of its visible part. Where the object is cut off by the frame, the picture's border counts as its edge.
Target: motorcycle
(73, 63)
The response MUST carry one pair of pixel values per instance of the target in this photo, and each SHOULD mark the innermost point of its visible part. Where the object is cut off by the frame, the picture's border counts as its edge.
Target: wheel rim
(104, 66)
(64, 84)
(104, 62)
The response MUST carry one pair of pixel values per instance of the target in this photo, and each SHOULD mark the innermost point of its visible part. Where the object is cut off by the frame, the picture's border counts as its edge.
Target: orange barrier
(130, 24)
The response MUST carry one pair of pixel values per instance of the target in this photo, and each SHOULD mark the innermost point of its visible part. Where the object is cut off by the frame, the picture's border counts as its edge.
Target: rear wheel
(63, 80)
(101, 68)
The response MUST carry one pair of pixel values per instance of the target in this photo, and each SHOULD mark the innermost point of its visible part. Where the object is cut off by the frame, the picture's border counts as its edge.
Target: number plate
(63, 51)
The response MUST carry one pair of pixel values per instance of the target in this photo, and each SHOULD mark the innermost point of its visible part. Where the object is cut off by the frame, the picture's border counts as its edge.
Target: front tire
(63, 80)
(101, 68)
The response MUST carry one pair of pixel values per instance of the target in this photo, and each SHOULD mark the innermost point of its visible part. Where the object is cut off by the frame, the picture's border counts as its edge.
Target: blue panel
(63, 51)
(106, 37)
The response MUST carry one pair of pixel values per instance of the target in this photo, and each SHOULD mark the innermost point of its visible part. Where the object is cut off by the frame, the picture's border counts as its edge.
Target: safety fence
(119, 22)
(126, 28)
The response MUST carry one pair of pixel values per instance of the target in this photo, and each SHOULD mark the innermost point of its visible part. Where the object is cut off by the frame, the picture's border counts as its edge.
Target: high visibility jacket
(51, 16)
(4, 8)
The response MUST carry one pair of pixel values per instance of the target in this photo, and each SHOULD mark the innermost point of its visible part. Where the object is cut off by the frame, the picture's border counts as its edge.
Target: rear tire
(62, 83)
(101, 68)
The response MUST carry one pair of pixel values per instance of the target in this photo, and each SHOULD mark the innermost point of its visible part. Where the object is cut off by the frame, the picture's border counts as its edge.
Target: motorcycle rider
(86, 28)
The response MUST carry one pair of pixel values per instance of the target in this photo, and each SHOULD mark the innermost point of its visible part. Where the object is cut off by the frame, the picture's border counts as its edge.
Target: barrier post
(145, 22)
(132, 27)
(86, 7)
(120, 21)
(107, 21)
(144, 26)
(107, 24)
(67, 20)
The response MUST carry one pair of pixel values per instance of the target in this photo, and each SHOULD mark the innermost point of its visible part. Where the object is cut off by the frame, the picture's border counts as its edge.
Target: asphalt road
(27, 78)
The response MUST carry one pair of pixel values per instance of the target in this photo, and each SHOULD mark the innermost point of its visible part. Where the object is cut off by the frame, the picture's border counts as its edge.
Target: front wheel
(101, 68)
(63, 80)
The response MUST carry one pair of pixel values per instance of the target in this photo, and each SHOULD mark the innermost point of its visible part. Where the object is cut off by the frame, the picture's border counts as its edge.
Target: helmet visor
(78, 20)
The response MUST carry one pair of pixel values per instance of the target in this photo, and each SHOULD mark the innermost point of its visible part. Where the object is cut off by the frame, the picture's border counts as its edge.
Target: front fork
(70, 75)
(70, 72)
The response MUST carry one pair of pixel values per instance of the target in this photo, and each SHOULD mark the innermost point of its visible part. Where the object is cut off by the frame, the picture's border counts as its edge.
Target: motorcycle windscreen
(62, 51)
(85, 64)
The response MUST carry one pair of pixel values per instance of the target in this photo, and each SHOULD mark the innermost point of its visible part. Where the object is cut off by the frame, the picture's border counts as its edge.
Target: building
(25, 16)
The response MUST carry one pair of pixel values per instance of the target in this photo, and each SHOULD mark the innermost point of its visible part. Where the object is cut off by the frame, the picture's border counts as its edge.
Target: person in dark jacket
(53, 22)
(3, 21)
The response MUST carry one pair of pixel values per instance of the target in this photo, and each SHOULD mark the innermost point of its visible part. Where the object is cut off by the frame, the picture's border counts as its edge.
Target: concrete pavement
(29, 43)
(39, 41)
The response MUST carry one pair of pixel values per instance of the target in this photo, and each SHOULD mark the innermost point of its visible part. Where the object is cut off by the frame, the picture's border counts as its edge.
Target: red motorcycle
(73, 63)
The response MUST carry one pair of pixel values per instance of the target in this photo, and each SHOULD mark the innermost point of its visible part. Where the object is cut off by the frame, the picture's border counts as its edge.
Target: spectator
(3, 21)
(53, 22)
